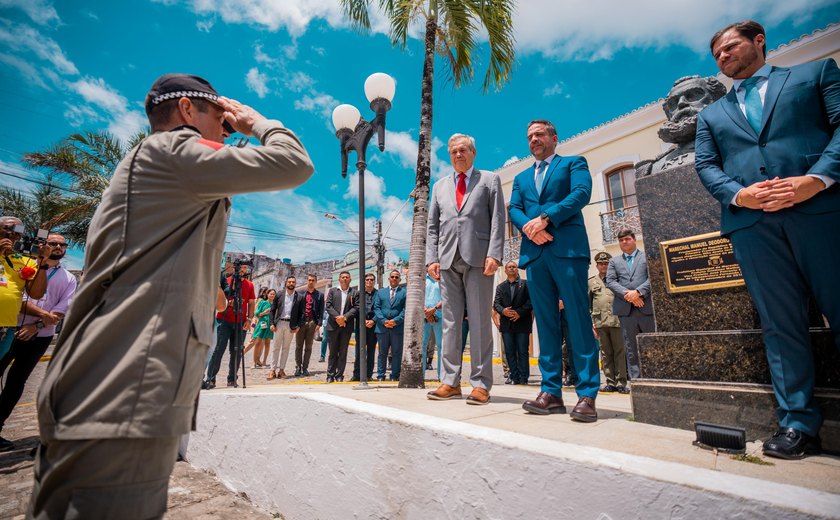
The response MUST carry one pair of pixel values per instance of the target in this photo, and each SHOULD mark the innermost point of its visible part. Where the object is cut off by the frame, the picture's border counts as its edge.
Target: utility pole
(379, 247)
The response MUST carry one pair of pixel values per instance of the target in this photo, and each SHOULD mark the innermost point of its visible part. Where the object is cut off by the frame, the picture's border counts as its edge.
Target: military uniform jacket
(600, 304)
(130, 357)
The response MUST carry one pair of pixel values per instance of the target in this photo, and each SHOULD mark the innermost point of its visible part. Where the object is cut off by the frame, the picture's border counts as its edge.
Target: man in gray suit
(463, 250)
(123, 382)
(627, 277)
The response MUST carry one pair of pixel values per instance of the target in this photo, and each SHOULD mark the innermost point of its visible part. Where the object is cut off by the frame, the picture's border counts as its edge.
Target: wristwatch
(39, 324)
(544, 216)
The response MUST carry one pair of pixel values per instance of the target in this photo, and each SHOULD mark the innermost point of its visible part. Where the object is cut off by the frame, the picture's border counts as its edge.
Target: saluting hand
(241, 117)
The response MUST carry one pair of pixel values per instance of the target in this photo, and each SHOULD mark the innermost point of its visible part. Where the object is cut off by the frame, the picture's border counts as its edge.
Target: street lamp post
(354, 134)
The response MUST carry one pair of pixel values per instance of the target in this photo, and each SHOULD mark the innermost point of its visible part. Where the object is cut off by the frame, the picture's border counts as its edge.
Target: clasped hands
(341, 320)
(635, 298)
(776, 194)
(535, 231)
(510, 313)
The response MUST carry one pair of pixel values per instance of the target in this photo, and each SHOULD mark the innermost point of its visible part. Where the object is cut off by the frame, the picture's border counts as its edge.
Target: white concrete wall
(318, 456)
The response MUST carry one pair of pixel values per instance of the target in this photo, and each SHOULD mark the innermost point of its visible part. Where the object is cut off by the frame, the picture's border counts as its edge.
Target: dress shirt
(468, 173)
(61, 285)
(546, 160)
(344, 294)
(287, 305)
(432, 294)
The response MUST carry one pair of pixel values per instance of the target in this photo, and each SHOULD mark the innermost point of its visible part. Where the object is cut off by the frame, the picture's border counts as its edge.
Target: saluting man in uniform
(122, 385)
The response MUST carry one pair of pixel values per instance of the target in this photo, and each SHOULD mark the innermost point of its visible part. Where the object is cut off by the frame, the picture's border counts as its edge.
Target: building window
(621, 187)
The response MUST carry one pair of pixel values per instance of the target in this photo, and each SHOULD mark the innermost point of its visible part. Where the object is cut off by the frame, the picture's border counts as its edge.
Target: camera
(26, 244)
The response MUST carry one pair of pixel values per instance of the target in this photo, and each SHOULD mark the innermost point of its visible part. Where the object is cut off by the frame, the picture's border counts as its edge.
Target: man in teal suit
(389, 314)
(545, 204)
(769, 152)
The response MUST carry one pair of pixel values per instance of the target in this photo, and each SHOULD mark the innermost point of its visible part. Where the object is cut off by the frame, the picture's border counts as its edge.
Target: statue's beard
(679, 132)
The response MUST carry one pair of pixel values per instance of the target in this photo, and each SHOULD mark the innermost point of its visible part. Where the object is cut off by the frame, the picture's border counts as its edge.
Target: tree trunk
(413, 368)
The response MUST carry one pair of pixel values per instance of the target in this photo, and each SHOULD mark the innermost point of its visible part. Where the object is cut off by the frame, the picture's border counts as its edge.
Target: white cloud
(78, 115)
(40, 11)
(299, 81)
(512, 160)
(318, 103)
(205, 25)
(22, 38)
(597, 30)
(554, 90)
(126, 124)
(97, 92)
(393, 211)
(26, 69)
(257, 82)
(261, 56)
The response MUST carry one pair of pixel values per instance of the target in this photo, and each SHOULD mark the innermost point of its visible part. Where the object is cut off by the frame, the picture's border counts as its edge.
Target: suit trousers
(338, 343)
(282, 343)
(460, 284)
(551, 279)
(103, 478)
(516, 351)
(432, 330)
(304, 338)
(612, 355)
(370, 339)
(390, 340)
(226, 334)
(631, 325)
(784, 257)
(26, 354)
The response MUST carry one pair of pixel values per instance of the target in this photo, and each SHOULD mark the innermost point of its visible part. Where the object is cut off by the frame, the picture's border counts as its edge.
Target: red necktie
(461, 189)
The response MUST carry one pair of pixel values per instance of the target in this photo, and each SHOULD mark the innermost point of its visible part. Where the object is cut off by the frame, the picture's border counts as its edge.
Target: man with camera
(123, 382)
(36, 327)
(18, 272)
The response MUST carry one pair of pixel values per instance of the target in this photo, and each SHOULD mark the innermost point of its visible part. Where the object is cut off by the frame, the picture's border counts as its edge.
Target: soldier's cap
(603, 256)
(176, 86)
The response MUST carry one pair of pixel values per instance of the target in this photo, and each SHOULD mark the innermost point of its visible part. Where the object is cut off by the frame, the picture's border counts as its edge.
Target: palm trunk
(411, 375)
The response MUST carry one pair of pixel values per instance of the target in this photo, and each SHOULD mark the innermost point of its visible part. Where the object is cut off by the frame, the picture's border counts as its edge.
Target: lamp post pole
(354, 134)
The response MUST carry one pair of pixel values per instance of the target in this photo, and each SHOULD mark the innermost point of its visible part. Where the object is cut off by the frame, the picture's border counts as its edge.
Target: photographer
(122, 385)
(36, 327)
(17, 273)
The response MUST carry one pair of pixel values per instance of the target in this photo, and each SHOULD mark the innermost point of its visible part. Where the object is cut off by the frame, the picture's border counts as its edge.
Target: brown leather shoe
(478, 396)
(445, 392)
(545, 404)
(281, 374)
(585, 410)
(271, 375)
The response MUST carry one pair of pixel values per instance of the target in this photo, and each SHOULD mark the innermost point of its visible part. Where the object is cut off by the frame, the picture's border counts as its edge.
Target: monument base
(722, 377)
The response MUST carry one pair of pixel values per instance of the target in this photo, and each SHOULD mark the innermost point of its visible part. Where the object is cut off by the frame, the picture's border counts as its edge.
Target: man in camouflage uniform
(608, 327)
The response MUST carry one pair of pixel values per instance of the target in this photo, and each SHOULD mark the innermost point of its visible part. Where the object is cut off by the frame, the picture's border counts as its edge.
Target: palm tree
(86, 162)
(34, 209)
(451, 27)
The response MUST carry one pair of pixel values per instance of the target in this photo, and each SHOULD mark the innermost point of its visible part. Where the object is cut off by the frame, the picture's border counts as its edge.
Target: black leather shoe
(340, 379)
(354, 378)
(508, 381)
(305, 373)
(545, 404)
(622, 389)
(297, 372)
(608, 388)
(330, 379)
(6, 444)
(791, 444)
(380, 378)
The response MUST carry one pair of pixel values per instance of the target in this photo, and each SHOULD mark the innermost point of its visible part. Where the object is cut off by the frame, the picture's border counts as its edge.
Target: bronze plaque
(699, 263)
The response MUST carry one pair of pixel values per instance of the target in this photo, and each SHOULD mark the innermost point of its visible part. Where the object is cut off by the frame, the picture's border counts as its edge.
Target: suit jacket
(131, 354)
(521, 303)
(317, 306)
(349, 311)
(798, 135)
(476, 231)
(567, 187)
(621, 279)
(277, 309)
(384, 309)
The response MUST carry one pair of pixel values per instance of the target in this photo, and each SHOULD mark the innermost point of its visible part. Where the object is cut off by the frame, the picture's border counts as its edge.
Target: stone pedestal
(706, 360)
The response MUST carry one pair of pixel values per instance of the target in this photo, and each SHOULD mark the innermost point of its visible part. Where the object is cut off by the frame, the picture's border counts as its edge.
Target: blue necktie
(629, 259)
(538, 180)
(752, 103)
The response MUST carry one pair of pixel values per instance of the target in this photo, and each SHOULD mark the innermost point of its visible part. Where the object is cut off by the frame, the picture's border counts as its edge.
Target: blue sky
(72, 66)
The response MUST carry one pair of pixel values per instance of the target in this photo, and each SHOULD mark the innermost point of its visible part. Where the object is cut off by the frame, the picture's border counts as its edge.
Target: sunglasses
(393, 277)
(57, 244)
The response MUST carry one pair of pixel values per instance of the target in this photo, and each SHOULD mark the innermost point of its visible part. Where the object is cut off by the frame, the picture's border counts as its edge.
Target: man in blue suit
(545, 204)
(389, 313)
(769, 152)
